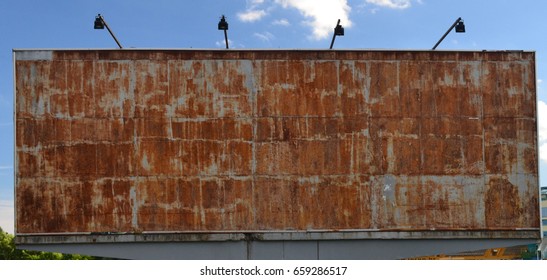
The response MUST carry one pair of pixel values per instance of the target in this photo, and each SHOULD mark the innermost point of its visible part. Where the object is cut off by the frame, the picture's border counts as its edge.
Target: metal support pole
(445, 34)
(110, 31)
(226, 38)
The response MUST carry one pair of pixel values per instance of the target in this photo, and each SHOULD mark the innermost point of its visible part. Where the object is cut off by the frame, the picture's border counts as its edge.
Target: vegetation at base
(529, 253)
(9, 252)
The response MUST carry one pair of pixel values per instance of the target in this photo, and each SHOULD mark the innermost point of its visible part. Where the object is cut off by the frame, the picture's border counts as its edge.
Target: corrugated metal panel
(208, 141)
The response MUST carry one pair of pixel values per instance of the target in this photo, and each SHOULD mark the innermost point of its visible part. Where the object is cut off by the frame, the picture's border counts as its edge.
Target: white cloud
(6, 215)
(282, 22)
(266, 36)
(321, 15)
(253, 12)
(231, 44)
(251, 15)
(393, 4)
(222, 44)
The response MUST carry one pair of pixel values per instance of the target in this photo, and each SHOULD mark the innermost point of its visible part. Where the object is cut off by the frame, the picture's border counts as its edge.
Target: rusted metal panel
(255, 141)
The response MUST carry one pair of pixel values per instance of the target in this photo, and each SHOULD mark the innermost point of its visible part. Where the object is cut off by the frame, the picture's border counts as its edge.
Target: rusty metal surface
(250, 141)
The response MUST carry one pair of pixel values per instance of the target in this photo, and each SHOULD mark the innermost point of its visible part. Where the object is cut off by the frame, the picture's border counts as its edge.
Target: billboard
(276, 141)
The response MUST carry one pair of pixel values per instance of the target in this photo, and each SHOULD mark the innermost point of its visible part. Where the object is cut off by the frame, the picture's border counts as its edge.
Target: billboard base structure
(358, 245)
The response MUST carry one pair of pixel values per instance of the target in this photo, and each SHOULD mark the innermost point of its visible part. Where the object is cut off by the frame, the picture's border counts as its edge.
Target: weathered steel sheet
(249, 141)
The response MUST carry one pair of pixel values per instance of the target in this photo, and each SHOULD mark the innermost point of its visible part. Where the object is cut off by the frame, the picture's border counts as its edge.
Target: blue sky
(263, 24)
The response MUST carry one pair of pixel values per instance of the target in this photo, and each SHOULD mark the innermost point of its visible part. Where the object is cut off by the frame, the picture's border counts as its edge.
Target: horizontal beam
(271, 236)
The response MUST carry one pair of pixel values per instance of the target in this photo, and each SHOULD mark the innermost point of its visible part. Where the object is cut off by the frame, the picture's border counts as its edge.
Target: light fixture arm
(223, 25)
(110, 31)
(448, 31)
(334, 35)
(226, 38)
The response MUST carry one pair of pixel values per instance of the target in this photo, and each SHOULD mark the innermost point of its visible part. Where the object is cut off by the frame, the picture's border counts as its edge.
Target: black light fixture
(100, 23)
(338, 31)
(460, 28)
(223, 25)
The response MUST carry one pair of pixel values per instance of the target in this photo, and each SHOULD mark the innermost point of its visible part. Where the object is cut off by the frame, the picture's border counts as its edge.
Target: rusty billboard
(203, 141)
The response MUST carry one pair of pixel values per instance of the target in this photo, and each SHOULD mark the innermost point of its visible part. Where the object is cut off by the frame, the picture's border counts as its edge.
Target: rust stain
(132, 141)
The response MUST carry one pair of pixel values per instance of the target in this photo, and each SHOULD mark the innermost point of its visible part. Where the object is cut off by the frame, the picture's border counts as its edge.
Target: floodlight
(460, 28)
(100, 23)
(338, 31)
(223, 25)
